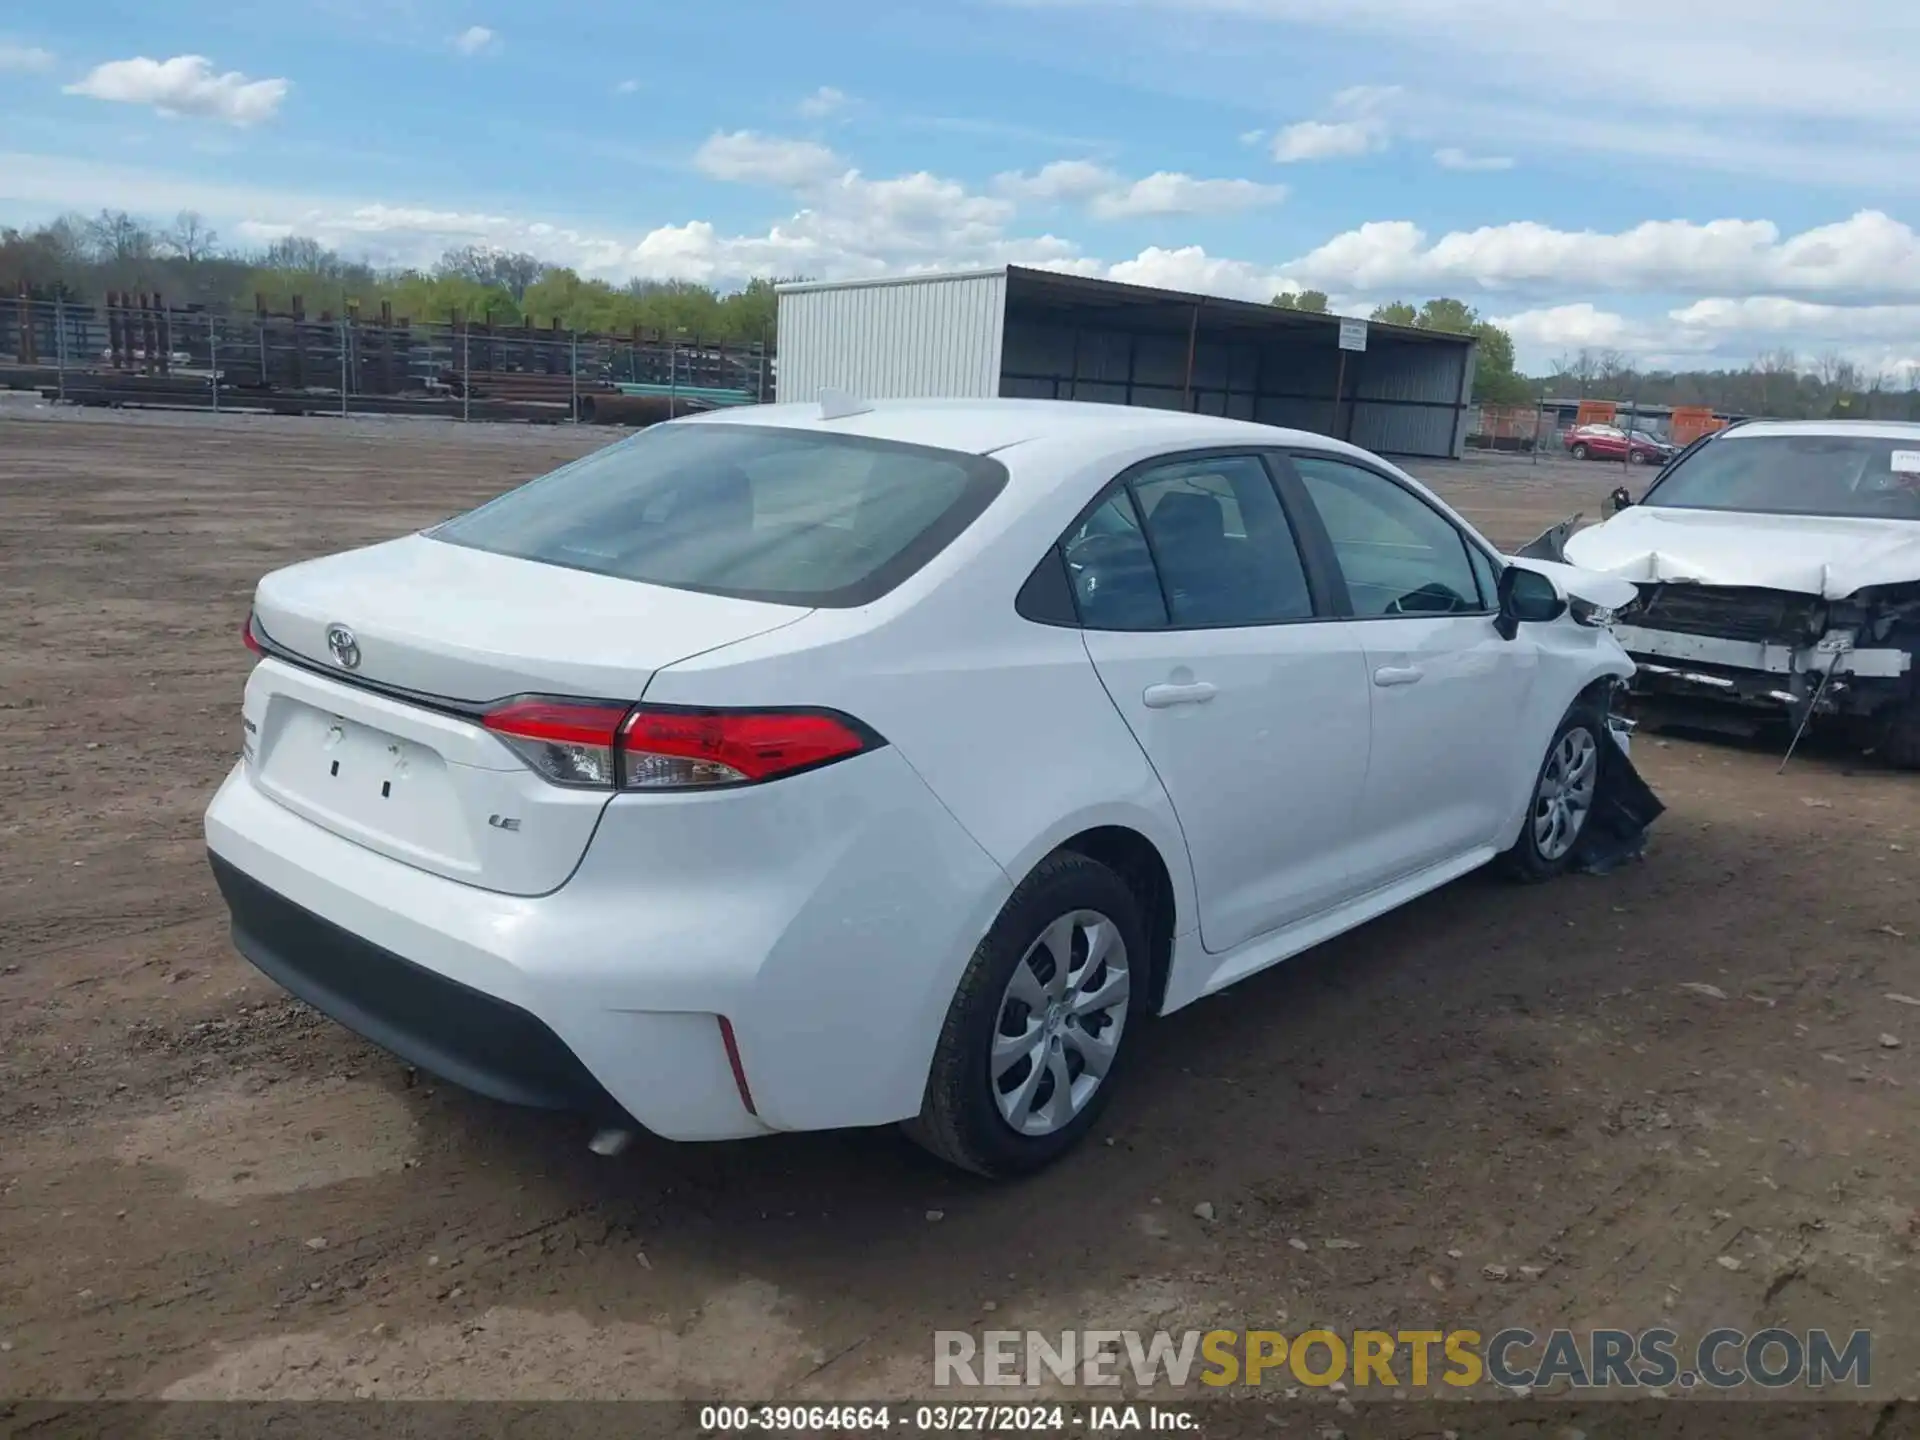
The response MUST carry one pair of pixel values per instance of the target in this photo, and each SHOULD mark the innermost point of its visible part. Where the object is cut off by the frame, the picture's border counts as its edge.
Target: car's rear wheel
(1040, 1023)
(1564, 789)
(1579, 452)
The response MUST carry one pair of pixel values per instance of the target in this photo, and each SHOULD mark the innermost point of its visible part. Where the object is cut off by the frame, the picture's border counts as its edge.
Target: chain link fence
(136, 351)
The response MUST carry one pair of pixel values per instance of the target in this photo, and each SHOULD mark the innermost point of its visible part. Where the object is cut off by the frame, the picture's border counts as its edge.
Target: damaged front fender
(1624, 809)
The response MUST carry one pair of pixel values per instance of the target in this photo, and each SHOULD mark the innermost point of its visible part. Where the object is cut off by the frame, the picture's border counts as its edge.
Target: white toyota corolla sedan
(811, 766)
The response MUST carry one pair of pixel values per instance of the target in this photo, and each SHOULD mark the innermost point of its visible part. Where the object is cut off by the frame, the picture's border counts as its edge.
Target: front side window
(1398, 554)
(790, 516)
(1805, 474)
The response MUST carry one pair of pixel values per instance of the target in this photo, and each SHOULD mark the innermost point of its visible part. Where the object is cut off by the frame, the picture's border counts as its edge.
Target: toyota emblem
(345, 649)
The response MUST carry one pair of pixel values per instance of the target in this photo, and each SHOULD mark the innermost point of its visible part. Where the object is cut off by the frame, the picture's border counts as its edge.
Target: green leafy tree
(1495, 381)
(1314, 302)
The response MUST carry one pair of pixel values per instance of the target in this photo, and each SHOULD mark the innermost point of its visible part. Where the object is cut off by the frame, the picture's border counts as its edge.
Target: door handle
(1390, 675)
(1162, 697)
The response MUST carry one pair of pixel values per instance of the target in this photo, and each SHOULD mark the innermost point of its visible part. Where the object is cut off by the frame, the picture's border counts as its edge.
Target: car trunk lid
(376, 735)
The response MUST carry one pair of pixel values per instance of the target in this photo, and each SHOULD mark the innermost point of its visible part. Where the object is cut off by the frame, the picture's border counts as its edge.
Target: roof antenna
(839, 404)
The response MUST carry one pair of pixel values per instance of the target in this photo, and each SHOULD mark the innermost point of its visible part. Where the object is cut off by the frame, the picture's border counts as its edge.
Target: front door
(1446, 688)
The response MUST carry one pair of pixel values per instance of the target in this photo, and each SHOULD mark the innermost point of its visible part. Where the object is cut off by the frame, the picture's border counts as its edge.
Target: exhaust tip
(610, 1142)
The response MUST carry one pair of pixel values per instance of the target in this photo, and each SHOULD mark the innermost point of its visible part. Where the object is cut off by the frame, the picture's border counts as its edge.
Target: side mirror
(1619, 500)
(1526, 598)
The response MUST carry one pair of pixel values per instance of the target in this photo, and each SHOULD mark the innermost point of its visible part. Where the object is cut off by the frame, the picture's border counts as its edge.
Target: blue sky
(1691, 185)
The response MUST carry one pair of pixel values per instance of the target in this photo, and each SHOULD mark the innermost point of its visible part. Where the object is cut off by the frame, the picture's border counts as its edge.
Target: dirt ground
(1685, 1093)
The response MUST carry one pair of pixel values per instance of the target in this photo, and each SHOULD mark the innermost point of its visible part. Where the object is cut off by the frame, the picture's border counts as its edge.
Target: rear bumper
(463, 1035)
(827, 918)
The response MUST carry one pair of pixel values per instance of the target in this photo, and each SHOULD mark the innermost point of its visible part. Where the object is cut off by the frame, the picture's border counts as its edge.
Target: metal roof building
(1035, 334)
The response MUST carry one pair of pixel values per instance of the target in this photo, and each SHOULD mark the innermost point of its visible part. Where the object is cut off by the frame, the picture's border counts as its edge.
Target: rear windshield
(789, 516)
(1842, 475)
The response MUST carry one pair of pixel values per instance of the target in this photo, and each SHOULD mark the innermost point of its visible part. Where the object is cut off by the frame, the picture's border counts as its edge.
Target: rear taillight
(608, 747)
(248, 638)
(570, 744)
(682, 749)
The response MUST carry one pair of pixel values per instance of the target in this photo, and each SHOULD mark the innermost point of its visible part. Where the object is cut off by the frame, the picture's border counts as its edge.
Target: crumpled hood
(1805, 554)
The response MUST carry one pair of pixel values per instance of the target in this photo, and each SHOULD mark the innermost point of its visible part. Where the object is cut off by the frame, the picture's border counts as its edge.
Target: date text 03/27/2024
(943, 1419)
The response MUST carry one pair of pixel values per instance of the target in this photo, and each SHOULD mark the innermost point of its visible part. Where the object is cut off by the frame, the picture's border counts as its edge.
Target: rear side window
(793, 517)
(1111, 569)
(1226, 554)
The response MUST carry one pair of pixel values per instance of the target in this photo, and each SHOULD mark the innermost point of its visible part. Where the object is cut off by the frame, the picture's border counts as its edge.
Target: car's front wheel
(1579, 452)
(1639, 457)
(1564, 789)
(1040, 1023)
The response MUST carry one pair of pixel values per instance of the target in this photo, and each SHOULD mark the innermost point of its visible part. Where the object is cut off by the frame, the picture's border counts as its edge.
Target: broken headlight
(1585, 612)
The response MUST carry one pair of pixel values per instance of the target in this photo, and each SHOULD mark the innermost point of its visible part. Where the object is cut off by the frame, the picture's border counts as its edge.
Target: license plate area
(363, 782)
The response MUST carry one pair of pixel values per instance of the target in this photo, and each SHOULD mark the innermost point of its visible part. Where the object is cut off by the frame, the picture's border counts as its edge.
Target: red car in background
(1610, 442)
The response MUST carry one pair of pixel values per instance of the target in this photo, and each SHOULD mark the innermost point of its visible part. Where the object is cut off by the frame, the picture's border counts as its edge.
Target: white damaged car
(1778, 568)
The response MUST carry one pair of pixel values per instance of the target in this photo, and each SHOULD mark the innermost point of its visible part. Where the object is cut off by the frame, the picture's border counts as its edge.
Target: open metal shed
(1036, 334)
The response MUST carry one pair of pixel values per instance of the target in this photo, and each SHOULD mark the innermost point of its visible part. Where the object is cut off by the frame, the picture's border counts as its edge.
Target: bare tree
(1580, 366)
(114, 237)
(510, 270)
(190, 237)
(1779, 375)
(1612, 369)
(301, 253)
(1837, 372)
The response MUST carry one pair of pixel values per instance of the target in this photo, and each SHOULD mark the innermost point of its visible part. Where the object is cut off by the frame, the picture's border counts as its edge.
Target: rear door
(1250, 702)
(1447, 690)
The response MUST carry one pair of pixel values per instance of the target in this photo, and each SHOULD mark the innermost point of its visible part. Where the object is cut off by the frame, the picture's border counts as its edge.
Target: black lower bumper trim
(463, 1035)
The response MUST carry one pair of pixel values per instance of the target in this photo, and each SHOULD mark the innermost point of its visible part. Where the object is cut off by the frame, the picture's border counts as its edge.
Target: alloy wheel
(1565, 795)
(1059, 1023)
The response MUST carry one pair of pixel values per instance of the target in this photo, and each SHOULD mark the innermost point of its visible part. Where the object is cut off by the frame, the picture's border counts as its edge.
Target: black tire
(959, 1119)
(1523, 860)
(1579, 452)
(1638, 457)
(1900, 740)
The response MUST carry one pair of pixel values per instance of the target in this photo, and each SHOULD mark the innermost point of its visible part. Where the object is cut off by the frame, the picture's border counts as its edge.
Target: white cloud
(1674, 292)
(1063, 181)
(626, 87)
(744, 156)
(823, 102)
(1869, 257)
(476, 40)
(1111, 196)
(1363, 130)
(1772, 94)
(1765, 57)
(1451, 158)
(1724, 333)
(1190, 268)
(1326, 140)
(184, 85)
(1169, 193)
(1568, 327)
(24, 57)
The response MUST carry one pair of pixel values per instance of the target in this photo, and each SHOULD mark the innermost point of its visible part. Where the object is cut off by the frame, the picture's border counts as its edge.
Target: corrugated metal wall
(1398, 397)
(892, 340)
(1409, 398)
